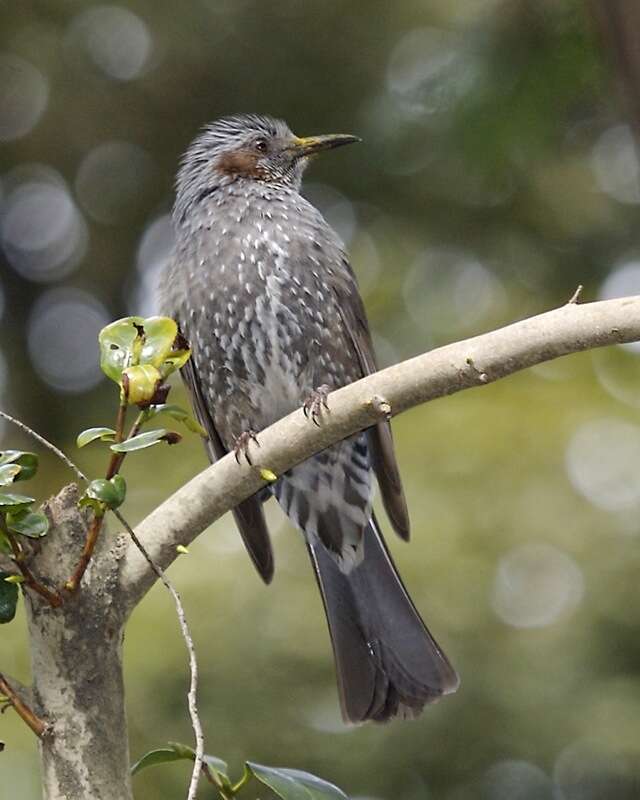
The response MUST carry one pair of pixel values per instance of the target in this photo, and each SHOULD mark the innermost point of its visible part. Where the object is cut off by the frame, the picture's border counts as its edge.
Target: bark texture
(76, 654)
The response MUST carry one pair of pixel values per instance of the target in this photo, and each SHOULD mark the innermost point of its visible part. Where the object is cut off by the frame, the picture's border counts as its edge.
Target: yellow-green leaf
(180, 415)
(159, 335)
(91, 434)
(117, 342)
(141, 441)
(140, 384)
(173, 361)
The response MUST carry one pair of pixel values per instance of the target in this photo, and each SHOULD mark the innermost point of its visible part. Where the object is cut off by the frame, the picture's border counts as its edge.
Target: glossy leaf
(91, 434)
(33, 524)
(140, 384)
(8, 598)
(175, 360)
(163, 755)
(159, 335)
(142, 440)
(28, 463)
(117, 342)
(293, 784)
(111, 493)
(7, 501)
(9, 473)
(180, 415)
(178, 752)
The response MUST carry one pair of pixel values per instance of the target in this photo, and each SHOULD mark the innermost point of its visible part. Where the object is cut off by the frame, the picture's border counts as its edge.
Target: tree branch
(14, 698)
(474, 362)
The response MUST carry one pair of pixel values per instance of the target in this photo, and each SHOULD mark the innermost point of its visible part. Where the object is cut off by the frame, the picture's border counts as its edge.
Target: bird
(264, 295)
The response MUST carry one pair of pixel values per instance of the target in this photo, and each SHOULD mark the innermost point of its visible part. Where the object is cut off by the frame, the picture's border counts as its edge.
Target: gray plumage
(264, 294)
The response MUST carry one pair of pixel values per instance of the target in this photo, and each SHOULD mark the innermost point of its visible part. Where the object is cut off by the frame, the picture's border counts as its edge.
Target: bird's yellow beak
(308, 145)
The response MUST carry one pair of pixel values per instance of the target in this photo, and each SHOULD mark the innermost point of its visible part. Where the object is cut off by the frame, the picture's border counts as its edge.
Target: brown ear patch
(241, 163)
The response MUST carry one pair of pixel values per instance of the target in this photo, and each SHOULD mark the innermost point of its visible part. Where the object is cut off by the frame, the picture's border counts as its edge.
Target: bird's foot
(313, 405)
(241, 446)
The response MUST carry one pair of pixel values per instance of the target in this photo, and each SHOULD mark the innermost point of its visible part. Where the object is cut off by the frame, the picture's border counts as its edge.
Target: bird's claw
(241, 446)
(315, 402)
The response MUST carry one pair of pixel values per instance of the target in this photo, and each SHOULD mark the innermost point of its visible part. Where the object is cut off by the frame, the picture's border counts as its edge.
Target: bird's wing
(383, 456)
(249, 514)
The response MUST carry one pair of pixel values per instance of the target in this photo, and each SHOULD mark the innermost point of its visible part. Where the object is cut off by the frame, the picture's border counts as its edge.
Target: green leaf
(178, 752)
(154, 757)
(117, 344)
(9, 473)
(140, 384)
(159, 335)
(139, 442)
(91, 434)
(8, 598)
(110, 493)
(27, 523)
(175, 360)
(180, 415)
(293, 784)
(7, 501)
(28, 462)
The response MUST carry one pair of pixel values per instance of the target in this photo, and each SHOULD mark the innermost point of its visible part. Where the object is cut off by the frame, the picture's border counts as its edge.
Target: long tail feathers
(387, 662)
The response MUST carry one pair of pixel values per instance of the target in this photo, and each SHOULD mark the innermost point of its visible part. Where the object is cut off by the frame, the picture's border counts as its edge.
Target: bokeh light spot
(117, 40)
(516, 780)
(63, 339)
(154, 252)
(614, 162)
(24, 93)
(535, 584)
(603, 463)
(429, 70)
(42, 231)
(450, 291)
(585, 772)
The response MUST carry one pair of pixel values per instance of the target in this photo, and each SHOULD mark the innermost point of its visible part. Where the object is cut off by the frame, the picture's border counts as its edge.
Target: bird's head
(252, 147)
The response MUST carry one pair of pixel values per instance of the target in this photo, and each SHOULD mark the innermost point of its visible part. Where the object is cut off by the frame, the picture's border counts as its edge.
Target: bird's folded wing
(249, 514)
(383, 456)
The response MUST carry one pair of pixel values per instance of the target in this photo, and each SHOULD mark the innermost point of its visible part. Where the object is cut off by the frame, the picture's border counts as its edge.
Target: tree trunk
(76, 654)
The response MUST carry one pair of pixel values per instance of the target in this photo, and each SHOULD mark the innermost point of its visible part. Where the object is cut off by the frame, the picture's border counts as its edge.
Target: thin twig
(575, 297)
(193, 664)
(30, 580)
(87, 552)
(116, 458)
(21, 708)
(45, 443)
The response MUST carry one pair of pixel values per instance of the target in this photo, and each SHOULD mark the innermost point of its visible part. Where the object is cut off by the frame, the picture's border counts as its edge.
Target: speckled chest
(256, 267)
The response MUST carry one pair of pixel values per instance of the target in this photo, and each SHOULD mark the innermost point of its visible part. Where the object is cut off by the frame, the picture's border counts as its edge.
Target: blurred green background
(498, 171)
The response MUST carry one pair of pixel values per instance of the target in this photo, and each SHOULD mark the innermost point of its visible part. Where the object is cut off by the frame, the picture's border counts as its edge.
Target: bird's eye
(261, 145)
